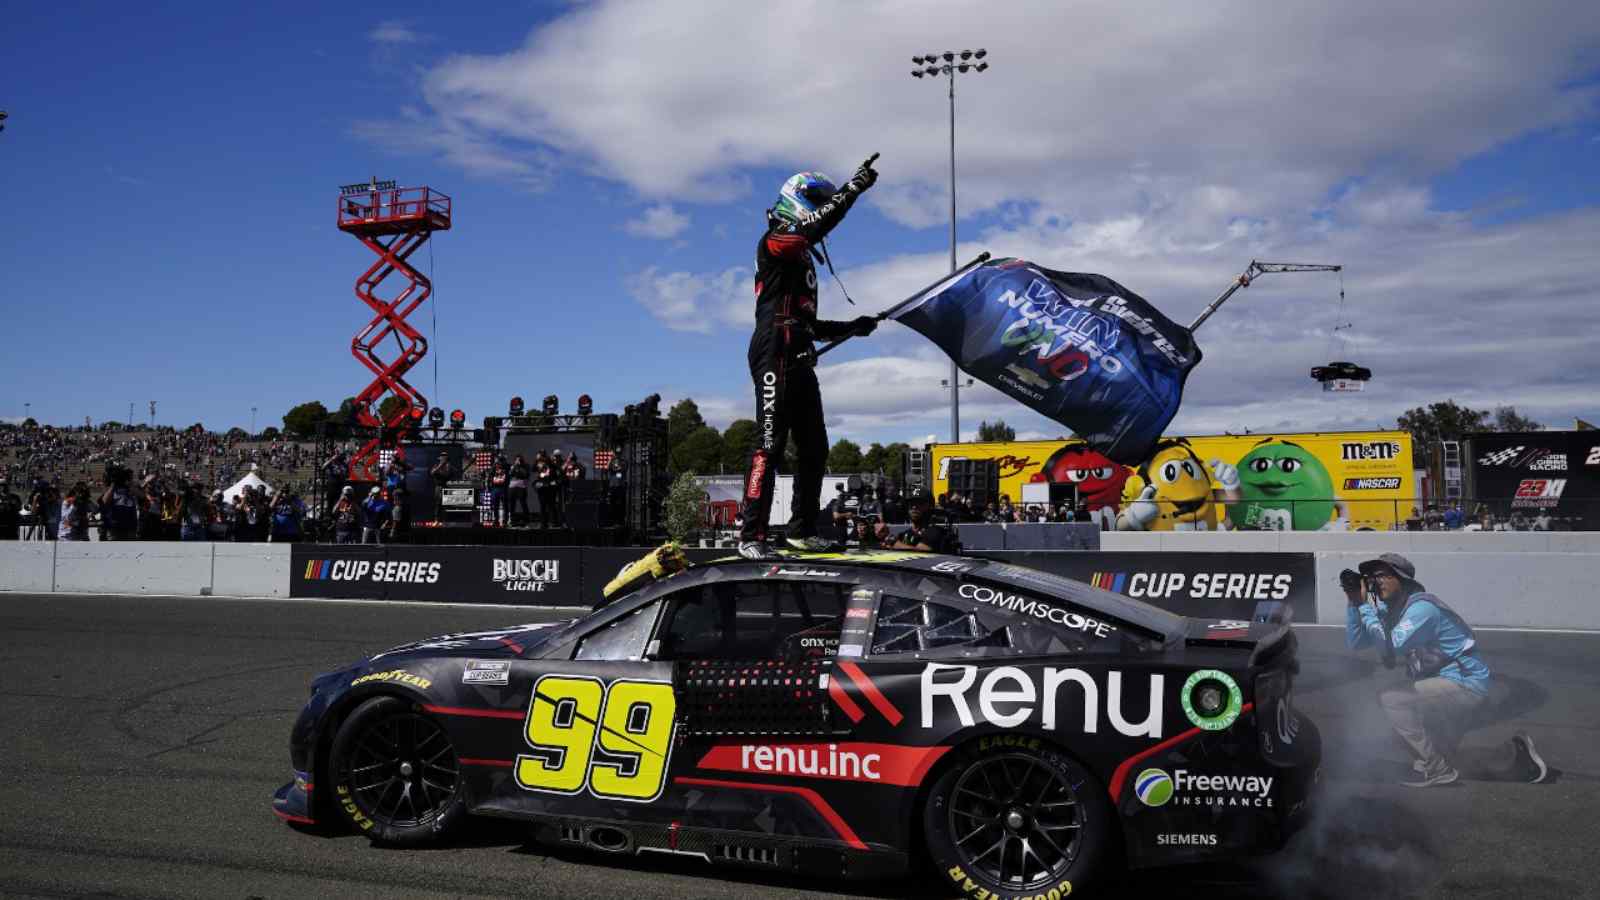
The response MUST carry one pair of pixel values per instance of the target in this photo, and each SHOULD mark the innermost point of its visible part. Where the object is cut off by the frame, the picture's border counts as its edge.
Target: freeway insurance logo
(1153, 787)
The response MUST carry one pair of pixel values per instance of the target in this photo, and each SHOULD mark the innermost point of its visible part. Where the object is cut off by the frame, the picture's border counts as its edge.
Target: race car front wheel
(395, 773)
(1019, 820)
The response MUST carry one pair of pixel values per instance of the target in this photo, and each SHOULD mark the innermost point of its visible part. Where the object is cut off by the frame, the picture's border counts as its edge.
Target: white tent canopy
(252, 480)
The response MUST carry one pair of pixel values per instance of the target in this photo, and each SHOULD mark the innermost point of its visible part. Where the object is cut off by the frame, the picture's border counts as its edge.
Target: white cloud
(393, 32)
(660, 222)
(684, 301)
(1266, 115)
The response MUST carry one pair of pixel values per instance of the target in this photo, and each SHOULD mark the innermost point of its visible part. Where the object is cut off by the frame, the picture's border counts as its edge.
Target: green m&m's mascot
(1283, 487)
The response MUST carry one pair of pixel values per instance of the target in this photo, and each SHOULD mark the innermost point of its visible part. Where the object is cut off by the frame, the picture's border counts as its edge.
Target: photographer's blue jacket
(1423, 623)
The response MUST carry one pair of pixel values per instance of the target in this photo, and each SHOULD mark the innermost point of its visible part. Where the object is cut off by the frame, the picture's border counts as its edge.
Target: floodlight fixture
(915, 60)
(585, 405)
(552, 405)
(931, 70)
(964, 66)
(458, 419)
(949, 57)
(516, 406)
(966, 54)
(982, 66)
(981, 53)
(916, 73)
(436, 418)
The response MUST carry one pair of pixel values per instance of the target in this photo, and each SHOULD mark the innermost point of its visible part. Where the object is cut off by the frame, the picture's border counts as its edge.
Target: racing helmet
(801, 196)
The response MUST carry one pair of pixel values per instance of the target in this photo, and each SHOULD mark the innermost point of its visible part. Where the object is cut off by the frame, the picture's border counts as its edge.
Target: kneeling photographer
(1391, 610)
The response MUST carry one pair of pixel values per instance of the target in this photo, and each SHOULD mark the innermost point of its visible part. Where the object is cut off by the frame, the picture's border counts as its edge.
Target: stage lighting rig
(585, 405)
(552, 405)
(436, 418)
(516, 406)
(458, 419)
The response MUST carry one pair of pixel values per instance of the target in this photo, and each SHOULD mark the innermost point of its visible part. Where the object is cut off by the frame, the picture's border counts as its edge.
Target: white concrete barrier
(1529, 590)
(251, 570)
(28, 566)
(1356, 541)
(133, 567)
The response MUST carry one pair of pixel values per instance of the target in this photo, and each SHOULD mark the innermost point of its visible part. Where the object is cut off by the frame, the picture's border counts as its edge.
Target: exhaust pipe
(608, 839)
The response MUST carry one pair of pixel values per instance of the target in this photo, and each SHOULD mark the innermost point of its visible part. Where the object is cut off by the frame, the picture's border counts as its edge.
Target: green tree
(845, 457)
(30, 423)
(999, 431)
(1507, 419)
(270, 433)
(738, 442)
(683, 418)
(684, 509)
(304, 419)
(699, 452)
(346, 414)
(391, 406)
(1447, 421)
(237, 433)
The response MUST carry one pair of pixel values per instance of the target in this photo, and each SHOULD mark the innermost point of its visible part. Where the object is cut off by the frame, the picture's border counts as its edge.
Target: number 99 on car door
(614, 739)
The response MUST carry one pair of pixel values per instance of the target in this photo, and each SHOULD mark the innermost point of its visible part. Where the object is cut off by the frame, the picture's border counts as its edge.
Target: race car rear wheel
(1028, 822)
(395, 773)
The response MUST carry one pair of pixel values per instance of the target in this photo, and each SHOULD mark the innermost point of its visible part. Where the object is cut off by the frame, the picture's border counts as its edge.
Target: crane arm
(1250, 272)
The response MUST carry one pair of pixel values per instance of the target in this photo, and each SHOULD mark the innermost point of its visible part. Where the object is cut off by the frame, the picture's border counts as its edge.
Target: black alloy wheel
(396, 774)
(1027, 822)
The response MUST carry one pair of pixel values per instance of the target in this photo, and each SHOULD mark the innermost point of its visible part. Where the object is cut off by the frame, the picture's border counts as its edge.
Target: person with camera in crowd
(399, 524)
(75, 514)
(375, 516)
(1449, 680)
(194, 515)
(930, 531)
(119, 505)
(287, 515)
(346, 517)
(45, 503)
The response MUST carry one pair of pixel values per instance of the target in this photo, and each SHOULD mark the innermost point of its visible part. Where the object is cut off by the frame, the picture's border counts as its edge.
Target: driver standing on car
(788, 402)
(1450, 680)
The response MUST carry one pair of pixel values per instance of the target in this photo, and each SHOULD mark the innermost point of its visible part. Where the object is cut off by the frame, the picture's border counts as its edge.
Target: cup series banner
(534, 576)
(1247, 586)
(1205, 585)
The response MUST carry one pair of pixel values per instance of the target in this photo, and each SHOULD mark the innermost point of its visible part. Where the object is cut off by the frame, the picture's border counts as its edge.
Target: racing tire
(1016, 819)
(395, 774)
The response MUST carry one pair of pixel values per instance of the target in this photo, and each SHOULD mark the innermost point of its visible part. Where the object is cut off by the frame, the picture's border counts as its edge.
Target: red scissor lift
(394, 223)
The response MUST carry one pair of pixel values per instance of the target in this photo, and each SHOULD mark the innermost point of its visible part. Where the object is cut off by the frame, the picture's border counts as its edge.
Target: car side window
(906, 625)
(749, 620)
(620, 639)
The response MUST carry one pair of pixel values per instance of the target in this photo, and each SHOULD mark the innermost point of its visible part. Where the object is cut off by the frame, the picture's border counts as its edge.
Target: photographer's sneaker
(755, 550)
(1533, 763)
(812, 544)
(1440, 773)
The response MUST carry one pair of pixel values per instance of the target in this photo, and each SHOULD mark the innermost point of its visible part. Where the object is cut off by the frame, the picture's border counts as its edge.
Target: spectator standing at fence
(217, 517)
(547, 484)
(286, 516)
(517, 491)
(10, 512)
(194, 515)
(46, 509)
(399, 523)
(375, 515)
(440, 475)
(75, 514)
(346, 517)
(119, 508)
(498, 479)
(150, 509)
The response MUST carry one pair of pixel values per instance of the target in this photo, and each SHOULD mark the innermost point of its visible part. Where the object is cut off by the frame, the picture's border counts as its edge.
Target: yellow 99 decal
(617, 739)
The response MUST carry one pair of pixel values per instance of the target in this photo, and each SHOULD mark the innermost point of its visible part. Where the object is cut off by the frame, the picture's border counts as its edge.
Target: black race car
(1341, 370)
(832, 713)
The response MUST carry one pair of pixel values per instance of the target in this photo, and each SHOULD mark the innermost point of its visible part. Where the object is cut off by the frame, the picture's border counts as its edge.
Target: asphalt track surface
(143, 738)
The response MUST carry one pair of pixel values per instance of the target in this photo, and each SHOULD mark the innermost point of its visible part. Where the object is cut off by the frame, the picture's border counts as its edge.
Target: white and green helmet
(801, 196)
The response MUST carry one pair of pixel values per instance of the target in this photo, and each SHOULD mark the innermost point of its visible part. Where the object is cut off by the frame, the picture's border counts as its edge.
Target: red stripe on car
(1120, 776)
(475, 711)
(874, 696)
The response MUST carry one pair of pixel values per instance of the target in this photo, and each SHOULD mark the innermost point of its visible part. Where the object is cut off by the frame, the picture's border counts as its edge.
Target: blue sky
(171, 175)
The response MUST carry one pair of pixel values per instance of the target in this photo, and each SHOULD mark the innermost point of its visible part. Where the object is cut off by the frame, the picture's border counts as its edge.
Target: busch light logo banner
(1080, 349)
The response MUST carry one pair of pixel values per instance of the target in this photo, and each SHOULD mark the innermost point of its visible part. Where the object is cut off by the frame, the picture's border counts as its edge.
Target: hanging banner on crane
(1077, 348)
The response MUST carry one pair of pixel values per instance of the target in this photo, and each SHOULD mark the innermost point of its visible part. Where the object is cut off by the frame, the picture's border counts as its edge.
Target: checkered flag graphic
(1500, 457)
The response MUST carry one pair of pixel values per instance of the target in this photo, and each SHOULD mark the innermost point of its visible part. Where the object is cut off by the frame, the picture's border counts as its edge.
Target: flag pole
(978, 260)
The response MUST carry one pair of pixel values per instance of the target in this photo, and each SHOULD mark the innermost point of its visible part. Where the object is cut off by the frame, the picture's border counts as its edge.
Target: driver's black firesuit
(788, 402)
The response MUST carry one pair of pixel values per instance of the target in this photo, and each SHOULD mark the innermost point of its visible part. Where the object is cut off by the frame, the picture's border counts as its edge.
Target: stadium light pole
(252, 421)
(932, 65)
